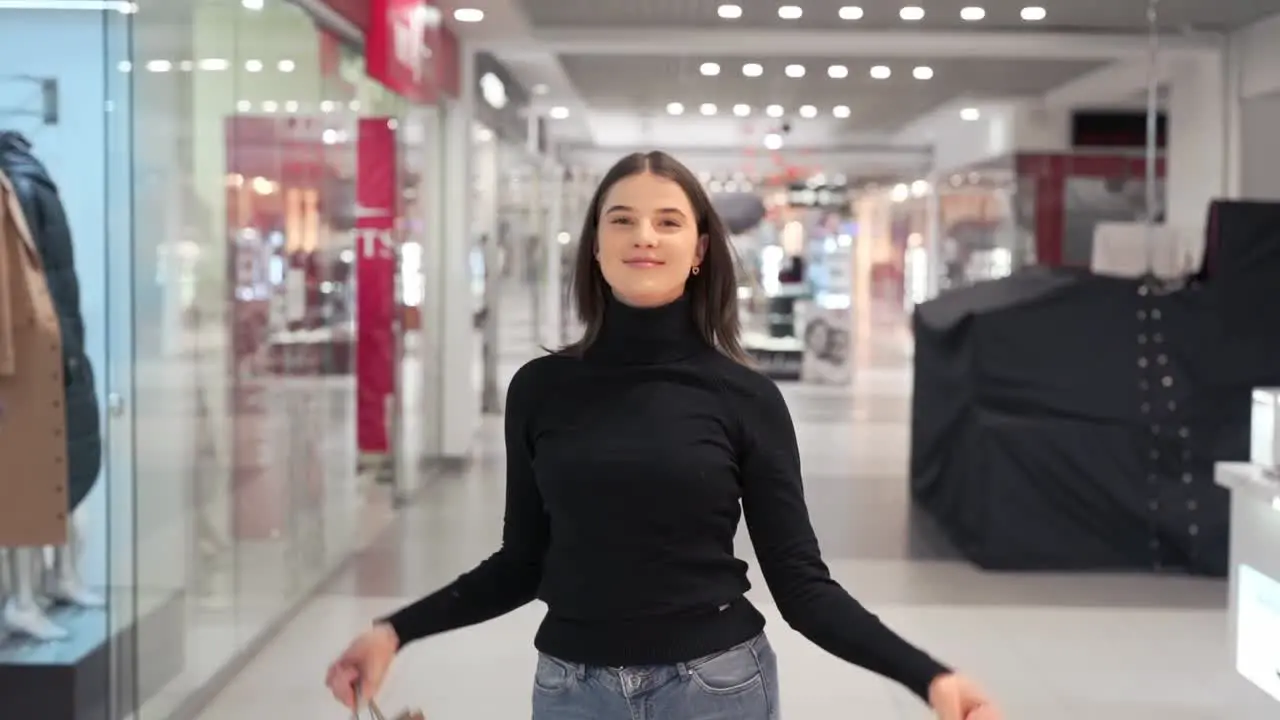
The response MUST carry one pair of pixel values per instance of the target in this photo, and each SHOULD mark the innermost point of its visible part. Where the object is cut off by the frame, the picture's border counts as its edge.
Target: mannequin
(78, 440)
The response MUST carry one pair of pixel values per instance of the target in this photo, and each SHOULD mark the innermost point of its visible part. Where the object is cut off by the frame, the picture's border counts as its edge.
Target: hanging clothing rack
(47, 111)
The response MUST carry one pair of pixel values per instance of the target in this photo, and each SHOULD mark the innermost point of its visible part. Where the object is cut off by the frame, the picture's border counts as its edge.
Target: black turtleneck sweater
(627, 471)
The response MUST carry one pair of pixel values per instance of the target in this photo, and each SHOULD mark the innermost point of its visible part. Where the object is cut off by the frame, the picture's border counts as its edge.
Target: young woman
(631, 455)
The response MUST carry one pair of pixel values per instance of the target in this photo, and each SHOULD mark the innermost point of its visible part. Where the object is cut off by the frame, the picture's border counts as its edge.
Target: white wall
(1002, 128)
(1254, 75)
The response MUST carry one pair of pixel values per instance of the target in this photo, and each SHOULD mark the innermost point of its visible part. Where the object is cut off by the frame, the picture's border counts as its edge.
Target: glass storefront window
(204, 157)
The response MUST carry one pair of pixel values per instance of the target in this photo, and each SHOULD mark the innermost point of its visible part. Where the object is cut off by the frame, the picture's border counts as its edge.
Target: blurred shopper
(629, 456)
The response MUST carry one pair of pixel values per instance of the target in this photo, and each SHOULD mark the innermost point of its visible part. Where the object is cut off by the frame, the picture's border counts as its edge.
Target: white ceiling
(1087, 15)
(645, 85)
(616, 64)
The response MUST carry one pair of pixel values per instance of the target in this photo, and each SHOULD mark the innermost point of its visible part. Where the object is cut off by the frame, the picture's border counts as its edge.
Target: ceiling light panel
(972, 13)
(1033, 14)
(675, 108)
(708, 109)
(774, 111)
(794, 71)
(752, 70)
(881, 72)
(911, 13)
(808, 111)
(742, 110)
(709, 69)
(790, 12)
(837, 72)
(922, 72)
(851, 12)
(729, 12)
(841, 111)
(468, 15)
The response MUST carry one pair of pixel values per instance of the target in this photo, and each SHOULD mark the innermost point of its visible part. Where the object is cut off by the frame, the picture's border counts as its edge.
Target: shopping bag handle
(374, 711)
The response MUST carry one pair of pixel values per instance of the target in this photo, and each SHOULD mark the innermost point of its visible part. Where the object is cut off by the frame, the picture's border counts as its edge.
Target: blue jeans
(740, 683)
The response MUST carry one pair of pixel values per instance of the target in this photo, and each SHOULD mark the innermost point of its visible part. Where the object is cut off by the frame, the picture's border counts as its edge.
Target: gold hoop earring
(695, 270)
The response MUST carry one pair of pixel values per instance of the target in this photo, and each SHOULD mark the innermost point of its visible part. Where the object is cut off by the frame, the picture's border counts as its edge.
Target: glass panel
(63, 127)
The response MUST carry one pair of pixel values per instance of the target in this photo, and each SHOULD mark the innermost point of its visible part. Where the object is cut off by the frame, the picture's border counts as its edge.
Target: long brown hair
(713, 292)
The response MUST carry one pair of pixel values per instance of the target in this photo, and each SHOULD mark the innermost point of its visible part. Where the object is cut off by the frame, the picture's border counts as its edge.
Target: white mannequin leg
(22, 613)
(67, 585)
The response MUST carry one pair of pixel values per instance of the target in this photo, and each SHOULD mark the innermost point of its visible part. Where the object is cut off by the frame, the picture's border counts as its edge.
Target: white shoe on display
(32, 622)
(73, 592)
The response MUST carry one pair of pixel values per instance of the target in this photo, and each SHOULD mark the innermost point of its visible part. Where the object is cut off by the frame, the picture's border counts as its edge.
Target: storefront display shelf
(1255, 573)
(69, 679)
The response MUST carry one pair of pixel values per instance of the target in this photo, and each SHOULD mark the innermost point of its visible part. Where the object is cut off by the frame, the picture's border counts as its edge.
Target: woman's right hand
(360, 670)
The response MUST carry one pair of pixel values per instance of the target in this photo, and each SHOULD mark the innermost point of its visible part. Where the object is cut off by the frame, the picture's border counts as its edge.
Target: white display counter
(1255, 575)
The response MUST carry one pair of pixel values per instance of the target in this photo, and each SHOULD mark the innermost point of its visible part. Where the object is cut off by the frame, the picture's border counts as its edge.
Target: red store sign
(376, 245)
(407, 48)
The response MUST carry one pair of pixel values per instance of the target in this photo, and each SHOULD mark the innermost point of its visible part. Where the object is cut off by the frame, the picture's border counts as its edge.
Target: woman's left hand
(955, 697)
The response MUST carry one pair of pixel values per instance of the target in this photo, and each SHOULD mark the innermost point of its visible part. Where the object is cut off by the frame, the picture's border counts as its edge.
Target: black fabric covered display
(45, 216)
(1067, 421)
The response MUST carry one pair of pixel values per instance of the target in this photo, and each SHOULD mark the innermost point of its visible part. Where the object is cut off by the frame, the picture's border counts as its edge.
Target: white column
(1198, 138)
(460, 390)
(552, 283)
(489, 177)
(933, 236)
(430, 353)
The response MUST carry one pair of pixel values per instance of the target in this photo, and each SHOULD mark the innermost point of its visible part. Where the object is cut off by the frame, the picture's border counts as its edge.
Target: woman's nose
(647, 235)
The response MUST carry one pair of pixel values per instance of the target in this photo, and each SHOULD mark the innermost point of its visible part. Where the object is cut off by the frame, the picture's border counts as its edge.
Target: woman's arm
(509, 578)
(778, 520)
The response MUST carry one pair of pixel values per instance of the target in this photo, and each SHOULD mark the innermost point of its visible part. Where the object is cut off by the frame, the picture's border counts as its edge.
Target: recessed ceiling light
(214, 64)
(270, 106)
(790, 12)
(741, 110)
(675, 108)
(972, 14)
(837, 72)
(253, 65)
(1033, 14)
(808, 111)
(795, 71)
(753, 69)
(559, 112)
(922, 72)
(291, 106)
(709, 68)
(541, 89)
(851, 12)
(773, 141)
(729, 12)
(244, 106)
(468, 15)
(251, 4)
(708, 109)
(159, 66)
(970, 114)
(911, 13)
(841, 111)
(286, 66)
(774, 111)
(881, 72)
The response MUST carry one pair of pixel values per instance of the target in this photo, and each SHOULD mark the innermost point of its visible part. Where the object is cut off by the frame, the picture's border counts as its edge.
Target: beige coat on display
(33, 447)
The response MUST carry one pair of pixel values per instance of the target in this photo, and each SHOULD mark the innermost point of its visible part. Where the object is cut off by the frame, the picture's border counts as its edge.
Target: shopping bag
(374, 713)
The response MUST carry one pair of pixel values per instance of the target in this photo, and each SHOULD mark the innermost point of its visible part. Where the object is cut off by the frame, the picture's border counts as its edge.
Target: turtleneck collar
(647, 336)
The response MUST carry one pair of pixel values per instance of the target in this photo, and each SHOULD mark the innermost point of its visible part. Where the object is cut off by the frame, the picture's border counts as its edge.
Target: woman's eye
(671, 223)
(620, 221)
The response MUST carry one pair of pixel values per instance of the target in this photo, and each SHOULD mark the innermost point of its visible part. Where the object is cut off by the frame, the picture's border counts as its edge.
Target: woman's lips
(643, 263)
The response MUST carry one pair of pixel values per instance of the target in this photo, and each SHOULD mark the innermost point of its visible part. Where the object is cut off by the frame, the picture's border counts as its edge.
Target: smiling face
(648, 241)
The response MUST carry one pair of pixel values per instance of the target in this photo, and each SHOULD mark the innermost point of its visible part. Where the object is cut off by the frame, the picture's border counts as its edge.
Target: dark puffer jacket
(38, 196)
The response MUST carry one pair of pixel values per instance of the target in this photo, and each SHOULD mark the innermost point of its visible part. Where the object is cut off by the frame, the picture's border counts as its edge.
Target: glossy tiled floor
(1050, 647)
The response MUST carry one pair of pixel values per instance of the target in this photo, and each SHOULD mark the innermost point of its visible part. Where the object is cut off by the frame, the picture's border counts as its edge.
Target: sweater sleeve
(777, 517)
(509, 578)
